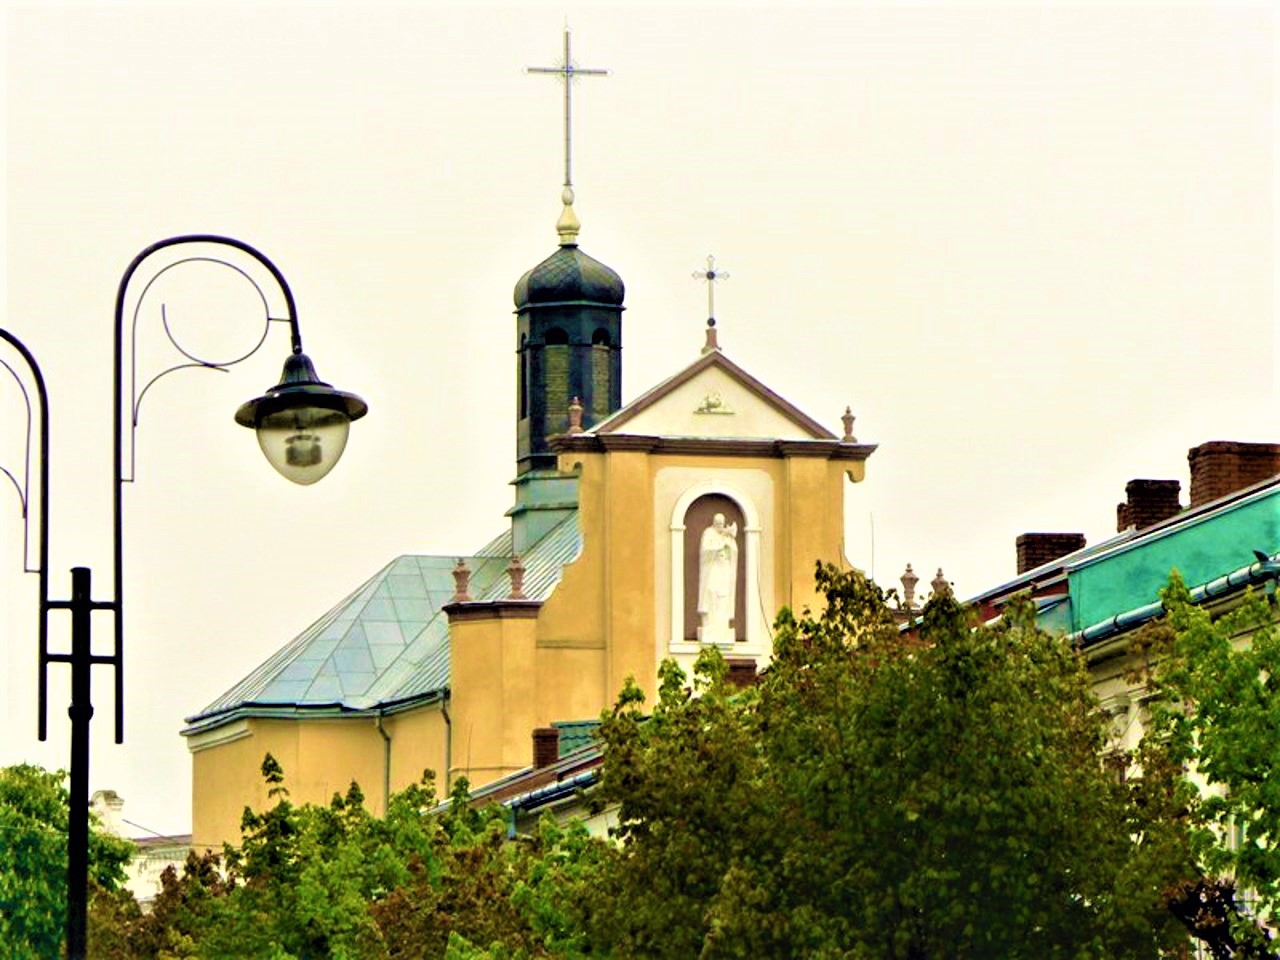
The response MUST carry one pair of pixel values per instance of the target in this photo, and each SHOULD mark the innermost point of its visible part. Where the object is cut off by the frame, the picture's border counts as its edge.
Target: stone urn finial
(575, 415)
(515, 570)
(461, 581)
(909, 581)
(941, 586)
(848, 437)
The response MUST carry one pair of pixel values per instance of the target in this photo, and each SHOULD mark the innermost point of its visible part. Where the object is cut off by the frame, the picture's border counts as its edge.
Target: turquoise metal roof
(1265, 571)
(387, 643)
(1202, 546)
(575, 734)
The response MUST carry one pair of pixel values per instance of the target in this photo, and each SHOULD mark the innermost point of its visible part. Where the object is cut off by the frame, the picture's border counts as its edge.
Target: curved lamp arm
(117, 485)
(301, 423)
(42, 495)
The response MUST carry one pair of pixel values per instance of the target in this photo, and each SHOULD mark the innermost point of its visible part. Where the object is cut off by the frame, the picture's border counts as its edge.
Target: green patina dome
(569, 276)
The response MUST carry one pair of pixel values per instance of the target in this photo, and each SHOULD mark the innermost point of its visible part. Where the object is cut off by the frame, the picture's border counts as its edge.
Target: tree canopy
(876, 795)
(335, 881)
(33, 861)
(1214, 732)
(945, 792)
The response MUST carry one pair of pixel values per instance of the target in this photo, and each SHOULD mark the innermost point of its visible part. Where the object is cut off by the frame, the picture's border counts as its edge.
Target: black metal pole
(81, 605)
(81, 712)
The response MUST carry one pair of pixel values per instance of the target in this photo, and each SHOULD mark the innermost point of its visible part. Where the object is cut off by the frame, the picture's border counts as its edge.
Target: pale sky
(1031, 246)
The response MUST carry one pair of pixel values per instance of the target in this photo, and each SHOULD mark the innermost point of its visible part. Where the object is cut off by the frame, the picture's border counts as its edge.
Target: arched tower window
(601, 363)
(556, 379)
(715, 571)
(522, 376)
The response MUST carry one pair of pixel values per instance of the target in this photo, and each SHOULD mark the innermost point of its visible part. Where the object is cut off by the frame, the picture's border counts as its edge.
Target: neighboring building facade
(1226, 541)
(153, 853)
(639, 532)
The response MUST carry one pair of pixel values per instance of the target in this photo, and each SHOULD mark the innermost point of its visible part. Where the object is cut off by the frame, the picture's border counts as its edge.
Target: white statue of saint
(717, 581)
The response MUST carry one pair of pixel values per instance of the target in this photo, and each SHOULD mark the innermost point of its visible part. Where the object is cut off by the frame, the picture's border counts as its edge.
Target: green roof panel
(388, 641)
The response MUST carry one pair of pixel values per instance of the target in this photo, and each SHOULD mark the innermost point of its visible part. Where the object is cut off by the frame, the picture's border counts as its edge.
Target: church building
(639, 532)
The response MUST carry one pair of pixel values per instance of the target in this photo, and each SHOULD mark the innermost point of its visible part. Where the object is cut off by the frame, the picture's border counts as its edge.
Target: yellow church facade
(641, 532)
(646, 482)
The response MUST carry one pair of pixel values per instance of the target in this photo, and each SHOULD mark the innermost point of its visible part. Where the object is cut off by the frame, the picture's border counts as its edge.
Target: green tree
(1214, 737)
(877, 795)
(335, 881)
(303, 877)
(490, 896)
(33, 861)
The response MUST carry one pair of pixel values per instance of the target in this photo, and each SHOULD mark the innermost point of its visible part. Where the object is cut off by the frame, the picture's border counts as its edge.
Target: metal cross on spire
(567, 71)
(711, 275)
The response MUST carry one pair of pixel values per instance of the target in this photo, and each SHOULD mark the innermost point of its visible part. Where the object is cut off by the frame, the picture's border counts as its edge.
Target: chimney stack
(742, 672)
(546, 747)
(1037, 549)
(1220, 467)
(1147, 502)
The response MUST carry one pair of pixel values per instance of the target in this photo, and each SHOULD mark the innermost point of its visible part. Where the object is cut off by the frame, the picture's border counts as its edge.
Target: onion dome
(569, 276)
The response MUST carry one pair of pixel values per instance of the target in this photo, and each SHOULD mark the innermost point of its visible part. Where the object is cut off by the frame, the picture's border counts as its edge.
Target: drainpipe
(386, 762)
(448, 743)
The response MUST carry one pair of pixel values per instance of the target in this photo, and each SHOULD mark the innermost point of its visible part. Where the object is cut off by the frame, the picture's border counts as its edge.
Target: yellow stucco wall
(629, 575)
(806, 529)
(492, 684)
(418, 743)
(618, 595)
(320, 757)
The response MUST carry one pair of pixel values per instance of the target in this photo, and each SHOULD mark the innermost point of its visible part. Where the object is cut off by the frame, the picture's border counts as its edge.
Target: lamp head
(302, 422)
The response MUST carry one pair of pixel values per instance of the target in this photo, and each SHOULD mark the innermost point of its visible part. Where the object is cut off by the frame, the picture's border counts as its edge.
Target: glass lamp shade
(302, 422)
(303, 443)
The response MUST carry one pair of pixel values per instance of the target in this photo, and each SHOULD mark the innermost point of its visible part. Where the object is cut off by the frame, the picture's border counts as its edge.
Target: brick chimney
(1147, 502)
(1037, 549)
(742, 672)
(1220, 467)
(546, 747)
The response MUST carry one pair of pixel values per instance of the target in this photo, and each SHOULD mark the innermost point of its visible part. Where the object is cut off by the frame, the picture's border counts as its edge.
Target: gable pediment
(713, 397)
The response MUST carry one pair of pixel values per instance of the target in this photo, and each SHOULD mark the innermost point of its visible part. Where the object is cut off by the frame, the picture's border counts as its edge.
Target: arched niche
(690, 516)
(697, 518)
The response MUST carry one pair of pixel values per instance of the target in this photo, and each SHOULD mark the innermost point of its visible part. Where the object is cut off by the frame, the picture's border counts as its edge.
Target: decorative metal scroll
(194, 362)
(23, 486)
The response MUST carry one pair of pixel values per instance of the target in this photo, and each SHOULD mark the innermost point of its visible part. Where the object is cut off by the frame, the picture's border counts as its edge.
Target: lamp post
(301, 424)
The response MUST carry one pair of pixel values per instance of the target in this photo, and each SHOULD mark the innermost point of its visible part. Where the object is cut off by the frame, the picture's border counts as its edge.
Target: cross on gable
(711, 275)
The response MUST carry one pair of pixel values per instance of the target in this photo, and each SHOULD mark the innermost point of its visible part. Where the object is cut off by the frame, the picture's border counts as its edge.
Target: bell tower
(568, 350)
(569, 320)
(568, 344)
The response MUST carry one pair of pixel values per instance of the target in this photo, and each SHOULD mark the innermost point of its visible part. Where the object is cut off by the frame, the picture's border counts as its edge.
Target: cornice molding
(711, 446)
(471, 610)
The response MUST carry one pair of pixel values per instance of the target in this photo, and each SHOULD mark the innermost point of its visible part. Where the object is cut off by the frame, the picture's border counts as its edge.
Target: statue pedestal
(721, 635)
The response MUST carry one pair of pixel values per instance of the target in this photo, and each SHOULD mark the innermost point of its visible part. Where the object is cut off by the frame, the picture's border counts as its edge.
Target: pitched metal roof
(387, 643)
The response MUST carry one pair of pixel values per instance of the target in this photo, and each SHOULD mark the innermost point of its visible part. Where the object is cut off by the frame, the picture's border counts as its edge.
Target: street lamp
(302, 422)
(302, 425)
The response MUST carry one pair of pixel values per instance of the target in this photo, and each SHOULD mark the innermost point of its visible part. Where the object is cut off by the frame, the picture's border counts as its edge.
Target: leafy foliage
(1215, 732)
(875, 796)
(940, 794)
(335, 881)
(33, 861)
